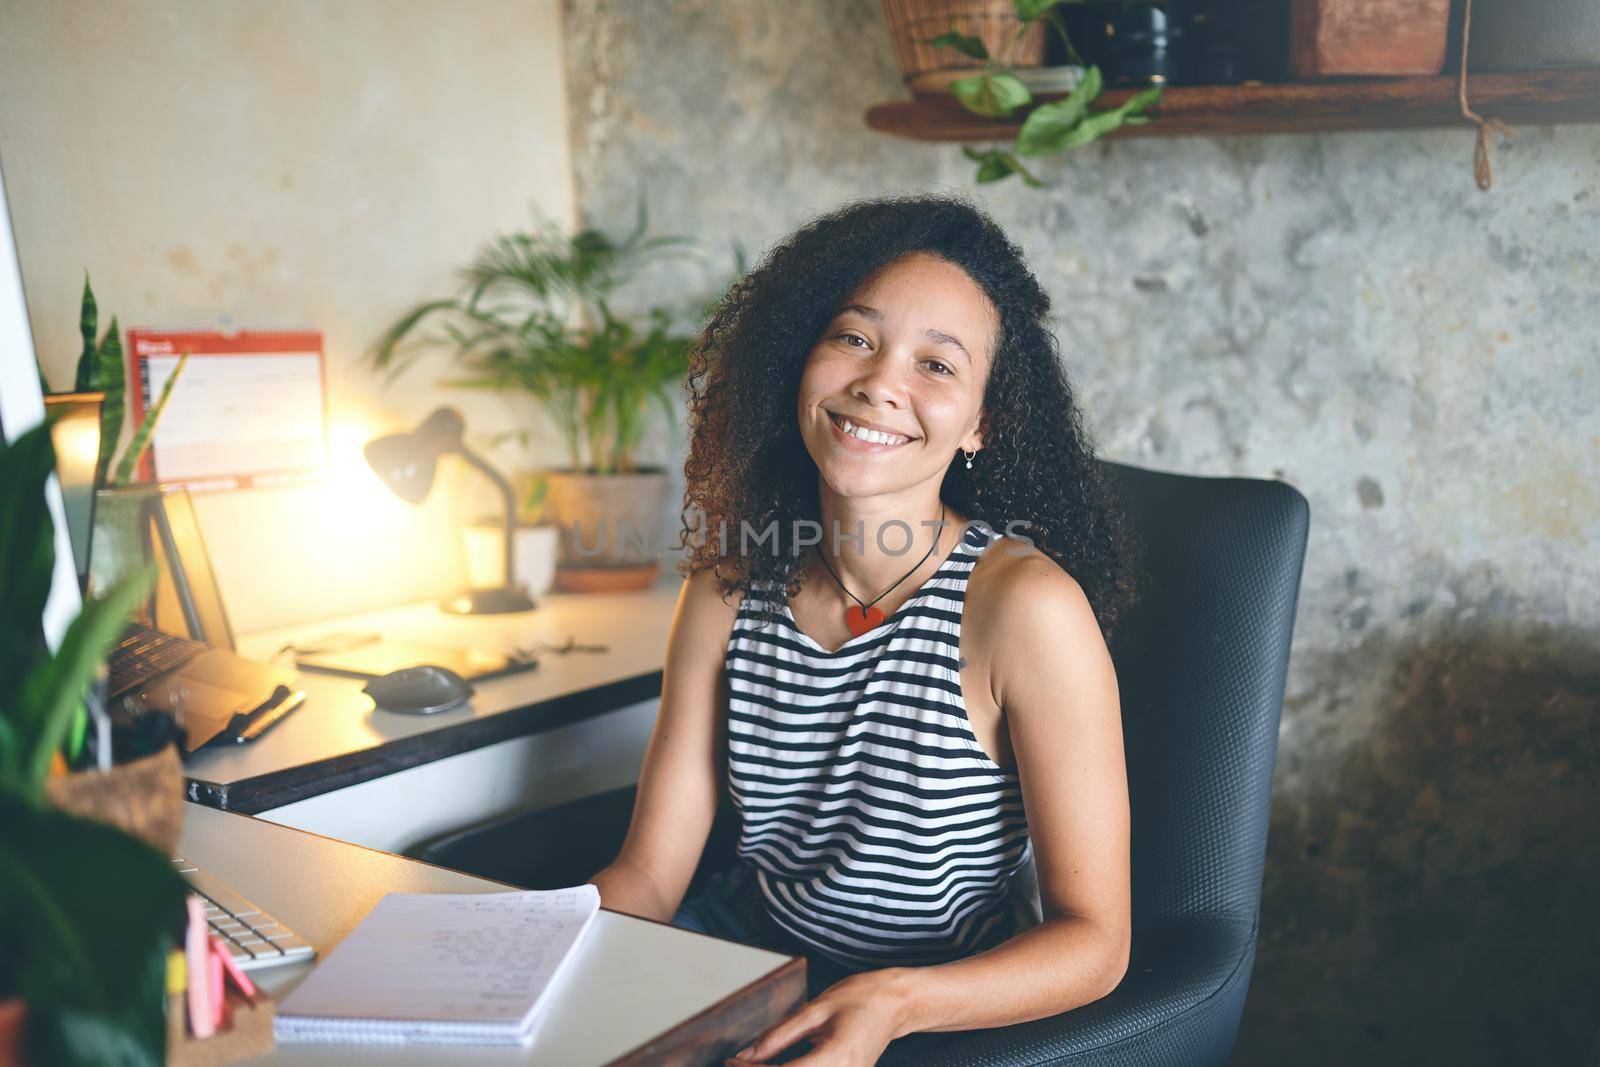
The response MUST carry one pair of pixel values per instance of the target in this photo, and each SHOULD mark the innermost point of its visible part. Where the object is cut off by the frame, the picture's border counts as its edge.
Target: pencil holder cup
(143, 797)
(119, 541)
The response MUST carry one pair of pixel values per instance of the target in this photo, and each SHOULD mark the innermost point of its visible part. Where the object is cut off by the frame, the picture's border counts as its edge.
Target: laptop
(178, 656)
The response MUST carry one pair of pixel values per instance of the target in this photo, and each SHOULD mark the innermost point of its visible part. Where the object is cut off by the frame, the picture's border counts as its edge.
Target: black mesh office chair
(1201, 671)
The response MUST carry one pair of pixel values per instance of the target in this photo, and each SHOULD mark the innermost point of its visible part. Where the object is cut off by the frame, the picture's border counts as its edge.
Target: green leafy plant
(90, 968)
(101, 369)
(535, 317)
(996, 92)
(537, 486)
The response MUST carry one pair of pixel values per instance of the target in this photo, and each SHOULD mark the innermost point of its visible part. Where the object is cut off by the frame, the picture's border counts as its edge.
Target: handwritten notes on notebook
(443, 968)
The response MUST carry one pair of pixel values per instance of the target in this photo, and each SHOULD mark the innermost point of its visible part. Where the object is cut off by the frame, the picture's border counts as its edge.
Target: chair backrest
(1201, 666)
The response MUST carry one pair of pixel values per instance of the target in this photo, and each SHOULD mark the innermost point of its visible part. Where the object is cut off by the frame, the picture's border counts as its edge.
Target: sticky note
(217, 993)
(197, 946)
(236, 974)
(177, 973)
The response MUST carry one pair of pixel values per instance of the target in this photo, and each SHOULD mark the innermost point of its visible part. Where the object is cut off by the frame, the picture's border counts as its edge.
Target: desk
(633, 985)
(577, 725)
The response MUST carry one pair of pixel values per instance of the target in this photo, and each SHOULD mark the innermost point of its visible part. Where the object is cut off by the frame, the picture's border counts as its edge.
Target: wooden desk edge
(701, 1039)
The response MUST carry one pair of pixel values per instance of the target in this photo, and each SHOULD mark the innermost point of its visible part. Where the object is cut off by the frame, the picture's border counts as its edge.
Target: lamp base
(500, 601)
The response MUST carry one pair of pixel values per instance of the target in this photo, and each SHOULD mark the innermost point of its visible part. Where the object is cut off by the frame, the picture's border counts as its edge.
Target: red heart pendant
(860, 620)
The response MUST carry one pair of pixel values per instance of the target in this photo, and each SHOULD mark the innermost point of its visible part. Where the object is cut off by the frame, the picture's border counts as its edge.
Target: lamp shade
(407, 461)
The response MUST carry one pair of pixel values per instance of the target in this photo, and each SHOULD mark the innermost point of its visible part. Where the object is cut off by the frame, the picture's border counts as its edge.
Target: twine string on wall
(1480, 157)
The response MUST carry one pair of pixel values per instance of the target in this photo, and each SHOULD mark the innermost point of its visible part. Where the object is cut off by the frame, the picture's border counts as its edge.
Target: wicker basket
(929, 69)
(143, 797)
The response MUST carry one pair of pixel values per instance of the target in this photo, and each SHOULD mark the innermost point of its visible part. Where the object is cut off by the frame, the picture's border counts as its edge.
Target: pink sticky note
(217, 993)
(197, 952)
(236, 975)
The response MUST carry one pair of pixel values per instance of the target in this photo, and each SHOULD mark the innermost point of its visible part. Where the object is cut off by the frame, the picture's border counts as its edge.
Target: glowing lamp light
(407, 463)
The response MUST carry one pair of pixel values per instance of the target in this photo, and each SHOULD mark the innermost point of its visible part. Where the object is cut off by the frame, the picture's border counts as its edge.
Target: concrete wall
(1349, 313)
(284, 164)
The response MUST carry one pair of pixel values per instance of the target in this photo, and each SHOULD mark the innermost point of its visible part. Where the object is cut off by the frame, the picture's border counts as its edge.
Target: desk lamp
(406, 463)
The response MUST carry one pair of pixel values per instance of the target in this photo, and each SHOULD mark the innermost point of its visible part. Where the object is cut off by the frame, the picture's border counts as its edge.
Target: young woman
(890, 646)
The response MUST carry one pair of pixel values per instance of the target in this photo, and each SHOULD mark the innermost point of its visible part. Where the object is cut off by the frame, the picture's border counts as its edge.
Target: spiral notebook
(443, 969)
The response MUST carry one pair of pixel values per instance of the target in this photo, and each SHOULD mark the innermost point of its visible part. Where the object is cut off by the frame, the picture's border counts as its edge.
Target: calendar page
(249, 409)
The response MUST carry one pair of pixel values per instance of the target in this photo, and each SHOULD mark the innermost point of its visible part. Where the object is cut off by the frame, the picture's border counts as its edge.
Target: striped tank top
(880, 832)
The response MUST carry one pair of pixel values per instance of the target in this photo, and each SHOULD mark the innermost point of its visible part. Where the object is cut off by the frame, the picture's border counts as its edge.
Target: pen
(266, 718)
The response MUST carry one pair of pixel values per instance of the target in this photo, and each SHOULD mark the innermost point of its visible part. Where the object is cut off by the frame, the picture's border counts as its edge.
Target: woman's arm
(1052, 674)
(1054, 678)
(678, 785)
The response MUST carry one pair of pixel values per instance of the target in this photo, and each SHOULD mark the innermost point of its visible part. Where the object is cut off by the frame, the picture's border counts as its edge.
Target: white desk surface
(633, 980)
(337, 737)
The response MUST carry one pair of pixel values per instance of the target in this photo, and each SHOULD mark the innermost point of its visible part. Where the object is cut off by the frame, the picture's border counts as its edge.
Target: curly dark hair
(747, 462)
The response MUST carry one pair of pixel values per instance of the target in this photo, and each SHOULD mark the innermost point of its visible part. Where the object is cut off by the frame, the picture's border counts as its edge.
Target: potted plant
(999, 91)
(82, 975)
(534, 317)
(101, 379)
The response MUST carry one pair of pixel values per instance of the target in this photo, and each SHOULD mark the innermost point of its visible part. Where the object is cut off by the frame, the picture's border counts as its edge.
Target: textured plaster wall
(1346, 312)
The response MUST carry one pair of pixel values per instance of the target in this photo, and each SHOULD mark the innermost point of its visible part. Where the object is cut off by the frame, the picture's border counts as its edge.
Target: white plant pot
(533, 550)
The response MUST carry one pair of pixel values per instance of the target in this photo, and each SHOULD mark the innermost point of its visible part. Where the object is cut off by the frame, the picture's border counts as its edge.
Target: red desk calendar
(249, 410)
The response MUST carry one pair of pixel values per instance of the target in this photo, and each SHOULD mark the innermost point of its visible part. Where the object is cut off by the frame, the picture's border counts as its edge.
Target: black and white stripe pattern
(879, 830)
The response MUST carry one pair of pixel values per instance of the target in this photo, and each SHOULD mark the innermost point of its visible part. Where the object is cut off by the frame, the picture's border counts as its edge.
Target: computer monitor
(21, 409)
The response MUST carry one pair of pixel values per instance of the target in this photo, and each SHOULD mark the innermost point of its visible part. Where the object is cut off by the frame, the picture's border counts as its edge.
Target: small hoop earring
(969, 458)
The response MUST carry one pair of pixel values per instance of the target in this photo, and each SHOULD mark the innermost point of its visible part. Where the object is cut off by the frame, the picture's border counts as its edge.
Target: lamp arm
(474, 460)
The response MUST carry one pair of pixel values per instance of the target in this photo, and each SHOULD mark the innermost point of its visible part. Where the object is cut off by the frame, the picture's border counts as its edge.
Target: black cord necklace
(867, 617)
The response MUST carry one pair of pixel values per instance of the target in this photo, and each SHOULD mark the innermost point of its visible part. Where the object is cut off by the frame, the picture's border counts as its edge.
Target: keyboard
(254, 938)
(145, 653)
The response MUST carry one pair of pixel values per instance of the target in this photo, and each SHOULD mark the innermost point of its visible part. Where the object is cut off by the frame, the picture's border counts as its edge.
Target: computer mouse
(420, 690)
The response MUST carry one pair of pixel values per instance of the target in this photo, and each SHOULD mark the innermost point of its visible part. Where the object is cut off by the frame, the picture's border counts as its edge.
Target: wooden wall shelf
(1530, 98)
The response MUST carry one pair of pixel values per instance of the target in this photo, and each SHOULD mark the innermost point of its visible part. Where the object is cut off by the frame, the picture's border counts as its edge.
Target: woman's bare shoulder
(1014, 574)
(705, 613)
(1020, 593)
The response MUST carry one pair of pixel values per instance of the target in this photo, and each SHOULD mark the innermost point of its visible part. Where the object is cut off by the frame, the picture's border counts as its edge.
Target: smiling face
(908, 355)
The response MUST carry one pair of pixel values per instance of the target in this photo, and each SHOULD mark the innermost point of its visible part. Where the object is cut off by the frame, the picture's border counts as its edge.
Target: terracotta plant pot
(1333, 38)
(606, 579)
(13, 1019)
(143, 797)
(608, 526)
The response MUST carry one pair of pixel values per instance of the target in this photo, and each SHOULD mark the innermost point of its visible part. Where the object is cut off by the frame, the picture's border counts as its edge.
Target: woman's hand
(849, 1024)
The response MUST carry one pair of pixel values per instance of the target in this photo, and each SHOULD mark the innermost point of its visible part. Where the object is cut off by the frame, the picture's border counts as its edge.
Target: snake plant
(101, 369)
